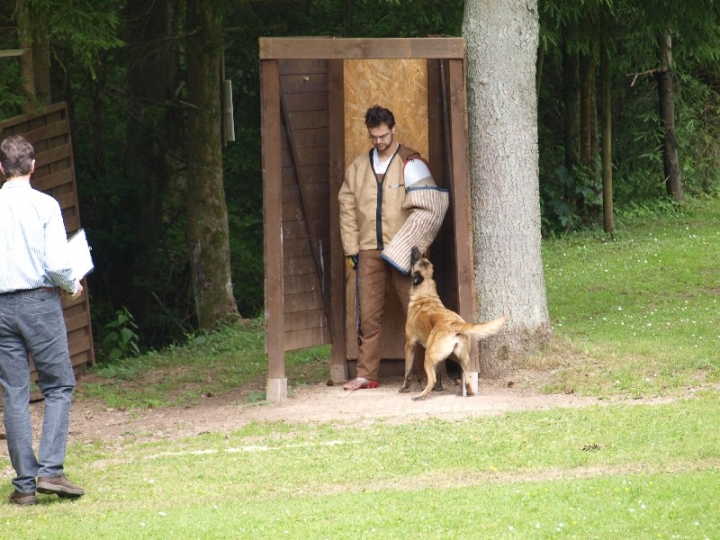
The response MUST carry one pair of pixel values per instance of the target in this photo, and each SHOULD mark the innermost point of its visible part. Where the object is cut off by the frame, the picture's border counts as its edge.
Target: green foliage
(631, 31)
(85, 29)
(12, 101)
(571, 201)
(243, 187)
(121, 340)
(384, 18)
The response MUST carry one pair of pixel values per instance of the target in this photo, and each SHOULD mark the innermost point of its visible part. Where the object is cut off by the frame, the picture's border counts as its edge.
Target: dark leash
(358, 328)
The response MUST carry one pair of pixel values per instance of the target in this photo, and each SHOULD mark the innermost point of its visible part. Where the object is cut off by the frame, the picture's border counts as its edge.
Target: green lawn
(633, 316)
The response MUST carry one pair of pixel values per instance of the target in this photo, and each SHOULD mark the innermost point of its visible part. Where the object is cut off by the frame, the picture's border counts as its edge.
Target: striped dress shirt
(33, 243)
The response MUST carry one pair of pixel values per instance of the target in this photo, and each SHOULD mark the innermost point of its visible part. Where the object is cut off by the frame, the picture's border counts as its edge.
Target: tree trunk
(588, 117)
(673, 175)
(151, 64)
(27, 71)
(207, 232)
(502, 40)
(571, 98)
(606, 136)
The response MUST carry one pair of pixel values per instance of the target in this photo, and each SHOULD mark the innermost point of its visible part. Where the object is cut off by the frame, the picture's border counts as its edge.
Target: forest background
(124, 67)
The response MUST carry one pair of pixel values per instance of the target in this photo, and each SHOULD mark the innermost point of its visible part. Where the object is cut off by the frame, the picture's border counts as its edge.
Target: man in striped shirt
(34, 267)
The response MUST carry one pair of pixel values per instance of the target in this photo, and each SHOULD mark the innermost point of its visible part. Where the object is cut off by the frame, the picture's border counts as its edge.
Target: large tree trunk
(673, 175)
(207, 232)
(151, 64)
(502, 40)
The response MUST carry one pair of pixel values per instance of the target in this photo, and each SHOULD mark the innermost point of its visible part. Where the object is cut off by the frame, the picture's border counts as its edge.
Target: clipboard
(79, 254)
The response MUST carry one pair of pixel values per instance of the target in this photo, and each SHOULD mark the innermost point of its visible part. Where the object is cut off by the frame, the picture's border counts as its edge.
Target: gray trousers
(32, 322)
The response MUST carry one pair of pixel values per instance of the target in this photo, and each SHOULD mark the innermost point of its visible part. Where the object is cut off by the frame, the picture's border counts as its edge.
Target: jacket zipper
(378, 209)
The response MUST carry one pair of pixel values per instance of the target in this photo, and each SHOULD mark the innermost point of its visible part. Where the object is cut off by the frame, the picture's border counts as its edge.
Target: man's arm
(349, 230)
(57, 265)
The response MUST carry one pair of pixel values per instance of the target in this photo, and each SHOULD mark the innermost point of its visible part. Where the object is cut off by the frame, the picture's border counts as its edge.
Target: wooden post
(336, 101)
(460, 167)
(272, 217)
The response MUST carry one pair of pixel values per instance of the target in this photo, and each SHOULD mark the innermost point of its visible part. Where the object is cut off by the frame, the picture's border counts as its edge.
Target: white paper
(80, 257)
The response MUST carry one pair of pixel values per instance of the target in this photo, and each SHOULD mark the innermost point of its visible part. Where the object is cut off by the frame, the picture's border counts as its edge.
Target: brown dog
(441, 331)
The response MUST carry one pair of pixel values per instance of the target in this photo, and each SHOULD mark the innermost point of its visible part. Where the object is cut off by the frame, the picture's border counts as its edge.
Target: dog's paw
(420, 398)
(404, 389)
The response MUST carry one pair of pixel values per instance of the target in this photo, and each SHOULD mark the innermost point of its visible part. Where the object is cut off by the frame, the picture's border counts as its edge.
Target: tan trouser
(376, 279)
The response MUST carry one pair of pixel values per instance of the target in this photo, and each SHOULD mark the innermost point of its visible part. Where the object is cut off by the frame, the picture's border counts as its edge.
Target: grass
(624, 327)
(639, 312)
(209, 365)
(640, 471)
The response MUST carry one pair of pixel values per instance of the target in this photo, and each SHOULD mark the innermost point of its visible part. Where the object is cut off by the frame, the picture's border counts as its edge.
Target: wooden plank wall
(49, 133)
(305, 201)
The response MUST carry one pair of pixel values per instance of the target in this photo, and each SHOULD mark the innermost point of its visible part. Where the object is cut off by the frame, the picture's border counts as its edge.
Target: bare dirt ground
(92, 420)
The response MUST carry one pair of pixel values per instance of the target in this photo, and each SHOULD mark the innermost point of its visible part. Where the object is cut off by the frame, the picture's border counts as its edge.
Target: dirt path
(314, 403)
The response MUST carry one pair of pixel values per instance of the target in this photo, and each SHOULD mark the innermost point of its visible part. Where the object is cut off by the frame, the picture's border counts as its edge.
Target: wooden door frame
(336, 50)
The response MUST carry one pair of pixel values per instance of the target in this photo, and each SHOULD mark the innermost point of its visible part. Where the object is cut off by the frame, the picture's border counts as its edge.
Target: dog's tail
(484, 330)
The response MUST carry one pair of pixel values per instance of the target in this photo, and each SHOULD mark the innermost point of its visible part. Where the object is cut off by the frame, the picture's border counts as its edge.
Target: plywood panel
(402, 87)
(399, 85)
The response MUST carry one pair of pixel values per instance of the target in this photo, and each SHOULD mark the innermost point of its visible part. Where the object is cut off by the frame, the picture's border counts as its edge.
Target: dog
(441, 331)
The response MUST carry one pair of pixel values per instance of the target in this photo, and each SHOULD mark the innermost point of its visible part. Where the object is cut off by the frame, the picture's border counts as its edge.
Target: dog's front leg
(409, 358)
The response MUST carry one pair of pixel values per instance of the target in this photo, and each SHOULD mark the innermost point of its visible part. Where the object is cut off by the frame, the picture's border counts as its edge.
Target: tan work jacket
(371, 206)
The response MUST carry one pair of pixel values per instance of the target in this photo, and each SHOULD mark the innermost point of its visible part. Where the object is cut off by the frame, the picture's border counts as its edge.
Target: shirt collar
(13, 184)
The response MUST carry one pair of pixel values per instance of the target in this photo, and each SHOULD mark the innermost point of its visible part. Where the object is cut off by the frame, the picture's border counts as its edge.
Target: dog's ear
(417, 278)
(415, 255)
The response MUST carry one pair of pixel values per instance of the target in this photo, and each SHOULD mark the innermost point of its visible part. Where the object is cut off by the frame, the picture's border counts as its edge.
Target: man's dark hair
(377, 115)
(16, 156)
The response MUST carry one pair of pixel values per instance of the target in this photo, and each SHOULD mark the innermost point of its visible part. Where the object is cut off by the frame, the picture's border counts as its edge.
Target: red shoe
(360, 382)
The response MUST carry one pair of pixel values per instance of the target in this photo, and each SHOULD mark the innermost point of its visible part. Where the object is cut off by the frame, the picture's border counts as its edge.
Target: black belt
(22, 291)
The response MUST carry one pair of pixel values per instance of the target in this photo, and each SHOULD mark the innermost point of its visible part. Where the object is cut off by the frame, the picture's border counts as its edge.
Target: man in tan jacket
(374, 208)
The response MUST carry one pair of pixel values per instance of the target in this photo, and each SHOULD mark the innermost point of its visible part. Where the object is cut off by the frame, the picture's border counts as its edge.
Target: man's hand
(353, 260)
(77, 292)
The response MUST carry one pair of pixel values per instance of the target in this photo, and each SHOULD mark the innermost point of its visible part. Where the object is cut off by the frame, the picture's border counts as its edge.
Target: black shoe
(22, 499)
(60, 486)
